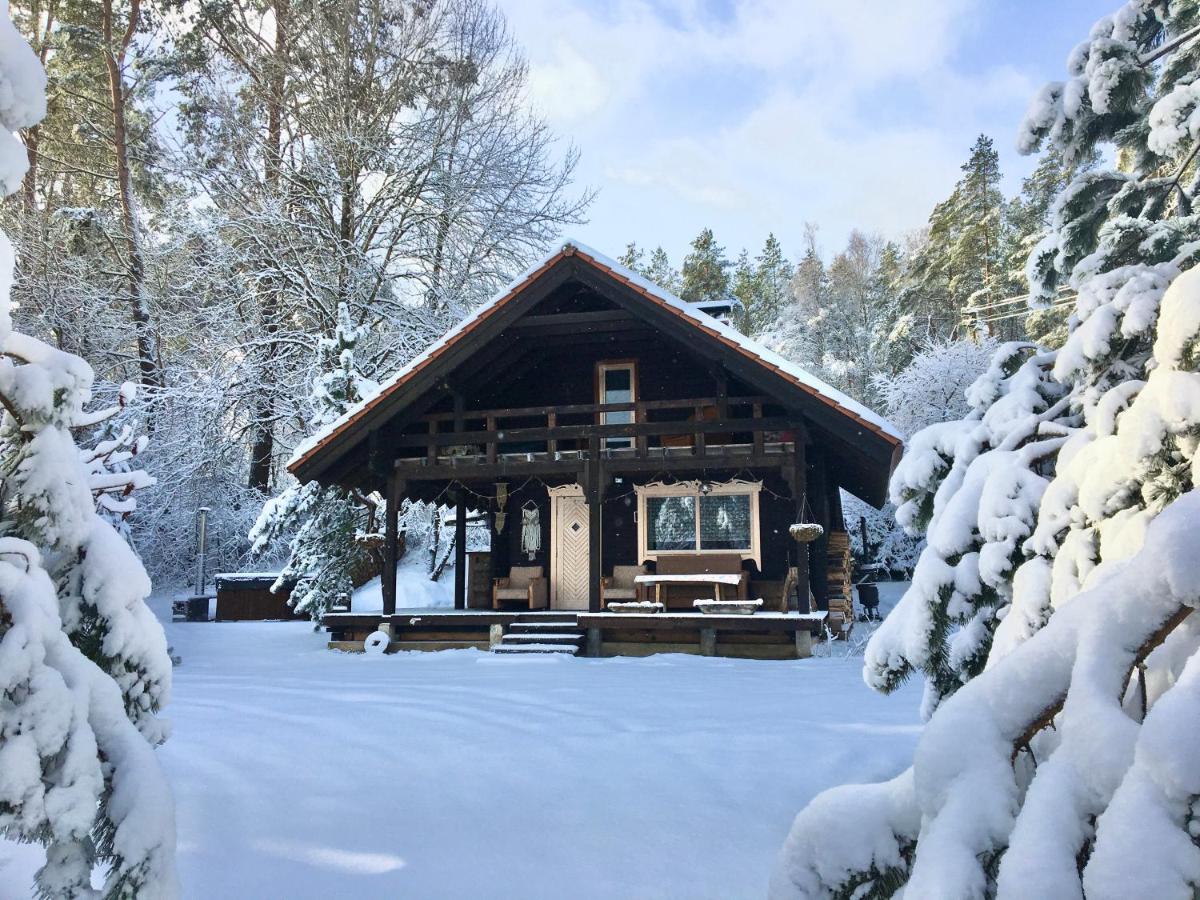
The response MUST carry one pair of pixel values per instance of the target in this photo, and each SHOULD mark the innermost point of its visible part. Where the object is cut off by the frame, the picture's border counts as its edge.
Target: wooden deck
(758, 636)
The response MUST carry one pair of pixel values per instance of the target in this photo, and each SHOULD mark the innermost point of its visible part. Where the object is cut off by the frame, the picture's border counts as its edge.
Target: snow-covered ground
(414, 590)
(302, 773)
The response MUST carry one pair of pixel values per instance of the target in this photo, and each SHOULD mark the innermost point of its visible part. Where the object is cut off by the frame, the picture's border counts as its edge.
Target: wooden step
(565, 637)
(543, 628)
(569, 649)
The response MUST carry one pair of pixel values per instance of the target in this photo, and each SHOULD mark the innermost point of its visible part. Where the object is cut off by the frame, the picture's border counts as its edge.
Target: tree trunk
(262, 450)
(149, 367)
(41, 41)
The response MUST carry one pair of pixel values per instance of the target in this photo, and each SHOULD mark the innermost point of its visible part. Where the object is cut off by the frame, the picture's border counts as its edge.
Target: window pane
(725, 522)
(617, 387)
(617, 384)
(672, 523)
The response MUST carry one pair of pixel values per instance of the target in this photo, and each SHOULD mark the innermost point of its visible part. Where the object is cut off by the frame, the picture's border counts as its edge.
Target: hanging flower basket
(805, 532)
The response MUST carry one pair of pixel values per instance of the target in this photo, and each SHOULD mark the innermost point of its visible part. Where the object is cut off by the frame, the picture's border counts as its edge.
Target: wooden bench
(708, 572)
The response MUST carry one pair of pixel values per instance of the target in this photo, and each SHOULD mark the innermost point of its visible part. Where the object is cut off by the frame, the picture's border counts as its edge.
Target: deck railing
(577, 428)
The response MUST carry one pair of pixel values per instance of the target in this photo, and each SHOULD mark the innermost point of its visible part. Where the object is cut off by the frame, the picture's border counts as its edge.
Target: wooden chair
(524, 584)
(620, 586)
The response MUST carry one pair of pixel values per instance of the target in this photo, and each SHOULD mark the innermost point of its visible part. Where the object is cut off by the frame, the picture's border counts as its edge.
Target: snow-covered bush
(1062, 557)
(84, 668)
(330, 527)
(932, 388)
(889, 548)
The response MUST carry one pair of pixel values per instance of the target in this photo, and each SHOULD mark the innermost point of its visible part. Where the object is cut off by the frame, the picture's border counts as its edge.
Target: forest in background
(904, 325)
(213, 182)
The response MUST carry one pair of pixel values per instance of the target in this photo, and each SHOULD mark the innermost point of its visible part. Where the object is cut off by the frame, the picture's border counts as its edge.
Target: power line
(1017, 315)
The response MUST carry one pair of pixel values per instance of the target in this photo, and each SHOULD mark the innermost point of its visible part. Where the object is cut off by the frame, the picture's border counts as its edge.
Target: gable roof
(869, 420)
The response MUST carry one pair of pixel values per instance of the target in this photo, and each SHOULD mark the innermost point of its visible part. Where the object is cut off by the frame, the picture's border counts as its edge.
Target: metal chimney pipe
(201, 549)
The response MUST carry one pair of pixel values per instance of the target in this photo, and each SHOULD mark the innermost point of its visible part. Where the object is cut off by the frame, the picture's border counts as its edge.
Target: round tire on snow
(376, 643)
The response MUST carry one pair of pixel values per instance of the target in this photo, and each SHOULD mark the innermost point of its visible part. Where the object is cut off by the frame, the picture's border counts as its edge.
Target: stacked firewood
(838, 579)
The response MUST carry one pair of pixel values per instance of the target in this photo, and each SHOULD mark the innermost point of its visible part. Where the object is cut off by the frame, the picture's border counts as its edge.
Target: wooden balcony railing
(576, 428)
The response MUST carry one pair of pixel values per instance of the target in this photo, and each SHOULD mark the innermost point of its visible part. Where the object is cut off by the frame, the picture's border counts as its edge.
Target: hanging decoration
(531, 529)
(501, 501)
(805, 532)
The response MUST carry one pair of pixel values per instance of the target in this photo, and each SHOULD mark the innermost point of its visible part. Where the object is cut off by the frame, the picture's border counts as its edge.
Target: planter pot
(638, 607)
(728, 607)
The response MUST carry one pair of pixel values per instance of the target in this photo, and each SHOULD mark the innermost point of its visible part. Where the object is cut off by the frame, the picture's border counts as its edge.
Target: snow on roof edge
(564, 247)
(801, 376)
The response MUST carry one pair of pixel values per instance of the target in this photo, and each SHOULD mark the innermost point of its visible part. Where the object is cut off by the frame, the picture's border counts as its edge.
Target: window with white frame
(616, 382)
(699, 517)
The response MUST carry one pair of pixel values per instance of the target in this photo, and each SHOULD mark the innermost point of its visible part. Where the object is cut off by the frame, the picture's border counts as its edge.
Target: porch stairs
(542, 633)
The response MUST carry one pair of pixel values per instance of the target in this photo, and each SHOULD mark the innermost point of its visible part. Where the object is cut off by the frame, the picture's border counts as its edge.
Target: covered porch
(604, 498)
(760, 636)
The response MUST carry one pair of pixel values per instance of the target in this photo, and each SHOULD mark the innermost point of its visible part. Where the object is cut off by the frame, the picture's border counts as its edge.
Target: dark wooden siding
(250, 599)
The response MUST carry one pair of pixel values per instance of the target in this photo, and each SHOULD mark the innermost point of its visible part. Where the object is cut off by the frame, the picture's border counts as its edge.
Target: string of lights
(662, 477)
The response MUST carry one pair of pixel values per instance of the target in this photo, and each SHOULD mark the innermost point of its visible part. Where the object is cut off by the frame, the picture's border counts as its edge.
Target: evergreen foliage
(705, 272)
(330, 526)
(959, 269)
(84, 669)
(1061, 550)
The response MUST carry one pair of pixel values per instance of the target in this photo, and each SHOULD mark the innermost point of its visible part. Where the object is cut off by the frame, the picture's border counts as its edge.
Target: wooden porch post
(460, 550)
(594, 492)
(387, 581)
(818, 498)
(594, 568)
(799, 492)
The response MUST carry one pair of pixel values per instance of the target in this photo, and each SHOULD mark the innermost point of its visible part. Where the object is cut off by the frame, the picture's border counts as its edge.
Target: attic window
(616, 382)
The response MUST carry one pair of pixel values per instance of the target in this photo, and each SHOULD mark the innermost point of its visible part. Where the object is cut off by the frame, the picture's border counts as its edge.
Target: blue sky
(750, 116)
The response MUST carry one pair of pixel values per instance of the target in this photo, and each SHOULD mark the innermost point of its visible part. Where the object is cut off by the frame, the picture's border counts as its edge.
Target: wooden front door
(568, 548)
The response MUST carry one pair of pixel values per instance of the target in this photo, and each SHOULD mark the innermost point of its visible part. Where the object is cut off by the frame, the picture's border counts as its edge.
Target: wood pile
(838, 571)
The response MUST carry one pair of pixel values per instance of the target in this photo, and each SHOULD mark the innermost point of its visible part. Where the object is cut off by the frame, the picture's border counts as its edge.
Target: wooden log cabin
(603, 424)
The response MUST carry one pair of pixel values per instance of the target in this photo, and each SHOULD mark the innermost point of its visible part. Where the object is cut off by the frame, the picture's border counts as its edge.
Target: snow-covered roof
(804, 379)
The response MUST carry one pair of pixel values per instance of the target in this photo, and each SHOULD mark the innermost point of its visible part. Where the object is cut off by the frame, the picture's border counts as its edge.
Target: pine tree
(84, 668)
(705, 273)
(772, 274)
(632, 257)
(799, 331)
(660, 271)
(1027, 222)
(978, 244)
(959, 270)
(1060, 769)
(746, 287)
(972, 487)
(328, 525)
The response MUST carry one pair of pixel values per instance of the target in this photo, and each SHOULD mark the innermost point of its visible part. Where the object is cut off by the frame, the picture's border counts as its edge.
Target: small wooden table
(714, 579)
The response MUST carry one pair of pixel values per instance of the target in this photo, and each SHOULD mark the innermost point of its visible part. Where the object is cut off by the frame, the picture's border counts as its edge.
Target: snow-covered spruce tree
(83, 664)
(110, 462)
(973, 487)
(1067, 766)
(326, 524)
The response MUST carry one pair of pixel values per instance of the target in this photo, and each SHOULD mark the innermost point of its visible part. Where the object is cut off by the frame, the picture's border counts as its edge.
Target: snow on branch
(966, 793)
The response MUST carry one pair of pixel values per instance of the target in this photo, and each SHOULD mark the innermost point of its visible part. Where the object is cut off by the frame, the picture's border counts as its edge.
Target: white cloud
(856, 114)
